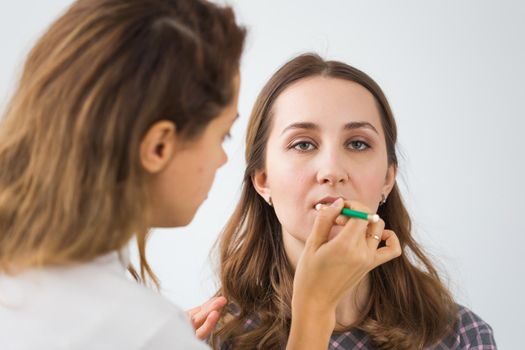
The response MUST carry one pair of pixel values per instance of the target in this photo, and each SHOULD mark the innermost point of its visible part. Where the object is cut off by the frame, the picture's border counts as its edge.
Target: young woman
(322, 131)
(116, 127)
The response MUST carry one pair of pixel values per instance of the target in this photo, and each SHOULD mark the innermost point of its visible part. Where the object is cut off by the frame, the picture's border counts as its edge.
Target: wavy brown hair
(408, 306)
(71, 184)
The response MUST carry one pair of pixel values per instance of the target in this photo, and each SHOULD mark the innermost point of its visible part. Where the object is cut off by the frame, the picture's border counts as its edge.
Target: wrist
(313, 306)
(312, 325)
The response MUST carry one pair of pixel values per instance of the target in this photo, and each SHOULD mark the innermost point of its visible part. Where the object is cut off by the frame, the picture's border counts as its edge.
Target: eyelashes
(304, 146)
(358, 145)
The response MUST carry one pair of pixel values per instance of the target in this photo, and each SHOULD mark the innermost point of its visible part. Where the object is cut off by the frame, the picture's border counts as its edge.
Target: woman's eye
(358, 145)
(303, 146)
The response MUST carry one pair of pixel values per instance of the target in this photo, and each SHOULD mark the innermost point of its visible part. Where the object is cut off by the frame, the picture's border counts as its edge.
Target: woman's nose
(331, 171)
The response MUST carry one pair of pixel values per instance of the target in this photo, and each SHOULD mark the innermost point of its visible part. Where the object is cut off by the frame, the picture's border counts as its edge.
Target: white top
(90, 306)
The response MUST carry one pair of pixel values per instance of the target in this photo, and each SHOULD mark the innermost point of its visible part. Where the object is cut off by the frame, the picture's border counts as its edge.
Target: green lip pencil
(355, 214)
(360, 215)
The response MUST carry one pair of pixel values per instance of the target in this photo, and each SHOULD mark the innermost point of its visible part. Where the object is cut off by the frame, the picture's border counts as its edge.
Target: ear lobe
(390, 179)
(260, 183)
(158, 146)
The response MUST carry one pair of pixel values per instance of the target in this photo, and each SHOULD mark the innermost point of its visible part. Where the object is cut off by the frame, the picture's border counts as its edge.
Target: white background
(453, 72)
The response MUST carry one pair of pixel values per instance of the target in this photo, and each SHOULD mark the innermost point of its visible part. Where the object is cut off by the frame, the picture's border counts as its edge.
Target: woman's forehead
(325, 102)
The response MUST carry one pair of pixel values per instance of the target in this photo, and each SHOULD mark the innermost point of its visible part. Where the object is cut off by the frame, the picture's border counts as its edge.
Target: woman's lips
(325, 201)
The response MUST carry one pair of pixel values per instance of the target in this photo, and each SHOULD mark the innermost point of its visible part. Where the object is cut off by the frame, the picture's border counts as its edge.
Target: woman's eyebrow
(313, 126)
(301, 125)
(358, 125)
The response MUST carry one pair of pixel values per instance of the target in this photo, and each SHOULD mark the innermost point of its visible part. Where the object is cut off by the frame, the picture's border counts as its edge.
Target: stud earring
(383, 199)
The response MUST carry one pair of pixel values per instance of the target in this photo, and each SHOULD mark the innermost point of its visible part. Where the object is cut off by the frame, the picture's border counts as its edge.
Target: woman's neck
(348, 309)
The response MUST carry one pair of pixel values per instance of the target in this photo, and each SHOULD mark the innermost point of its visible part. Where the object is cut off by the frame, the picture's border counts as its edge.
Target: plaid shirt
(471, 332)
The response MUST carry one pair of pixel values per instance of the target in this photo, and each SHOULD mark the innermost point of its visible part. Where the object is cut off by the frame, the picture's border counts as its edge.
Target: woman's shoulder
(115, 310)
(470, 331)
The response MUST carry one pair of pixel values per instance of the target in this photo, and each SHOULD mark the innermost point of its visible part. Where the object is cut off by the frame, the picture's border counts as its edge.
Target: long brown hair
(71, 185)
(408, 306)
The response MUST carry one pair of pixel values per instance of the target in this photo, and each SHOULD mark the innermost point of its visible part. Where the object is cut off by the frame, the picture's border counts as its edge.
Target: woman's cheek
(370, 189)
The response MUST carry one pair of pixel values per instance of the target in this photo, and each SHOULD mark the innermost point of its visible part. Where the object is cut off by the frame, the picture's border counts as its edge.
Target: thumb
(323, 224)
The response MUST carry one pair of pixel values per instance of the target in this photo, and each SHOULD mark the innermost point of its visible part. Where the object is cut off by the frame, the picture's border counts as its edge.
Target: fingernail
(337, 202)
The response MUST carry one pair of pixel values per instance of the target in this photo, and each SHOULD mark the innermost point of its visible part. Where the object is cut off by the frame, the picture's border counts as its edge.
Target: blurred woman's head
(112, 100)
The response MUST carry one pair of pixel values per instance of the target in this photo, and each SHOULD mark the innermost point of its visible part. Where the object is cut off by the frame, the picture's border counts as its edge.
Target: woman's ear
(158, 146)
(390, 180)
(260, 183)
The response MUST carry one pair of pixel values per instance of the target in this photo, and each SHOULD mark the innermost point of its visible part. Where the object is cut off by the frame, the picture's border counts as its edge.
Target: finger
(323, 224)
(374, 234)
(341, 220)
(198, 319)
(207, 327)
(354, 229)
(214, 304)
(192, 312)
(391, 250)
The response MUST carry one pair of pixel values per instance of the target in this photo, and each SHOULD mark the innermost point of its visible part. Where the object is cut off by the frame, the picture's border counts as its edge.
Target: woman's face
(326, 142)
(183, 184)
